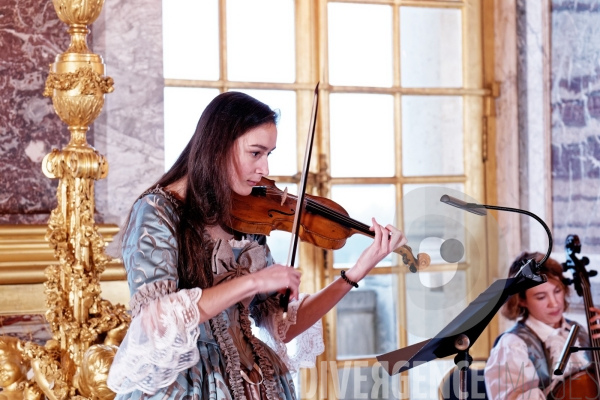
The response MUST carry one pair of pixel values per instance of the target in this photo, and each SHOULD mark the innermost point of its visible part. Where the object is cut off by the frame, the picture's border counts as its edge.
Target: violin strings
(329, 212)
(588, 302)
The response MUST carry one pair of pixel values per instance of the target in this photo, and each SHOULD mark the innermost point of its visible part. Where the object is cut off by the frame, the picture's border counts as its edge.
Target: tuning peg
(565, 266)
(592, 272)
(585, 260)
(567, 281)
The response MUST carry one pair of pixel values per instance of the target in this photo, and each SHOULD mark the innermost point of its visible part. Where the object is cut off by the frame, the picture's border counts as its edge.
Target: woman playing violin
(521, 363)
(195, 282)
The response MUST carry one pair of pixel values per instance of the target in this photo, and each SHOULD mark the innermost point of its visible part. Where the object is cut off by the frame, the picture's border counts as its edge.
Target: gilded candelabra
(85, 327)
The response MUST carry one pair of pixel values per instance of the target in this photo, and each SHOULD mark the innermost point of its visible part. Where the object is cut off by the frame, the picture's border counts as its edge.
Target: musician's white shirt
(510, 374)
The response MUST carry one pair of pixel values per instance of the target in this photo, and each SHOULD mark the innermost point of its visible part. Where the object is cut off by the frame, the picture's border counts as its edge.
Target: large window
(401, 109)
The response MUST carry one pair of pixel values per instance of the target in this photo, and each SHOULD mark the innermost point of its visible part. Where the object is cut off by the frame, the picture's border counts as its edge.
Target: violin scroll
(421, 261)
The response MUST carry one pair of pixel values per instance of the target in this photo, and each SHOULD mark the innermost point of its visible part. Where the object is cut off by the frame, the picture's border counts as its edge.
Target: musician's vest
(538, 353)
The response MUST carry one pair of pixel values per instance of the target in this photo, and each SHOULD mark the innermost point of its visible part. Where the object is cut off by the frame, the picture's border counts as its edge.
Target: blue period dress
(168, 354)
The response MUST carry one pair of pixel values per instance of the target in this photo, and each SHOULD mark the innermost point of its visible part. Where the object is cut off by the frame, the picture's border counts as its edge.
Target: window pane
(362, 202)
(430, 309)
(260, 40)
(183, 108)
(360, 44)
(362, 135)
(433, 299)
(191, 39)
(431, 47)
(366, 318)
(283, 160)
(432, 135)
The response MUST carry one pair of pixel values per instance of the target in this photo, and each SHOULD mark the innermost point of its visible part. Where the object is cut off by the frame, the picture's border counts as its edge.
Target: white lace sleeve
(160, 343)
(304, 349)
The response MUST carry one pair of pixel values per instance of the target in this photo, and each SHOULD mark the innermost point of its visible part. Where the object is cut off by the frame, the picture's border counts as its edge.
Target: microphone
(463, 205)
(480, 209)
(566, 352)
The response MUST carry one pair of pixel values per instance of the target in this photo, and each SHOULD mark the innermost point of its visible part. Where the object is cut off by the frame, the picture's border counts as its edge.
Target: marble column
(576, 121)
(576, 131)
(129, 132)
(31, 35)
(533, 82)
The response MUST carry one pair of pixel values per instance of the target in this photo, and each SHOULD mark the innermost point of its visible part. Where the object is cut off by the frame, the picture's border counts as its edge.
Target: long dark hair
(204, 163)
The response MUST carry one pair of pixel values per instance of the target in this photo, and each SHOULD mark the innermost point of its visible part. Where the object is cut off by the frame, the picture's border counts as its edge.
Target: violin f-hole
(272, 210)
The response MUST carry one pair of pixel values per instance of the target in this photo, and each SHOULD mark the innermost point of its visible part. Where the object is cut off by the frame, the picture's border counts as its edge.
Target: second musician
(521, 363)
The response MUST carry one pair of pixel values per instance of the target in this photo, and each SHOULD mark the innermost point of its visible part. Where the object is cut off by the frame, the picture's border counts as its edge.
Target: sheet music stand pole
(463, 361)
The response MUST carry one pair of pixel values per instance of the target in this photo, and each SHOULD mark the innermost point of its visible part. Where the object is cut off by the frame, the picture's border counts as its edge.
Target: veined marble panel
(576, 121)
(31, 35)
(129, 132)
(534, 120)
(31, 328)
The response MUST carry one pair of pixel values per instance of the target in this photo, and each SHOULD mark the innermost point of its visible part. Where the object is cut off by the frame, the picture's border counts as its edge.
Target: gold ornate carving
(89, 82)
(70, 365)
(50, 378)
(74, 163)
(91, 379)
(13, 374)
(78, 14)
(25, 254)
(78, 97)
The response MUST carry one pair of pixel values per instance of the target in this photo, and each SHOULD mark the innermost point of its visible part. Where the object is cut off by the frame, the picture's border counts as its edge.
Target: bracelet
(344, 277)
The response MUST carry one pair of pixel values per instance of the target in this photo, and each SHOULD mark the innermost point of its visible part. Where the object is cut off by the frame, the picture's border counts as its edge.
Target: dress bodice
(165, 353)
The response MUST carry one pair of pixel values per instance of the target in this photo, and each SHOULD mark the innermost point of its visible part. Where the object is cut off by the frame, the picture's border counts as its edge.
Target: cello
(583, 384)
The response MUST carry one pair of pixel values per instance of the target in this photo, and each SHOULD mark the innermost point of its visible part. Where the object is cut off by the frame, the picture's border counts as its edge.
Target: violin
(583, 384)
(324, 223)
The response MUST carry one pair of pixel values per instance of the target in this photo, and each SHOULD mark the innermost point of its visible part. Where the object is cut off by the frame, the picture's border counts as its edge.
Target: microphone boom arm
(479, 209)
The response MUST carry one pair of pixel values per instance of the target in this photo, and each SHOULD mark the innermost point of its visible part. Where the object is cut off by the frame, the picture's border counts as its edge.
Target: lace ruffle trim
(150, 292)
(225, 267)
(160, 343)
(263, 359)
(309, 344)
(232, 357)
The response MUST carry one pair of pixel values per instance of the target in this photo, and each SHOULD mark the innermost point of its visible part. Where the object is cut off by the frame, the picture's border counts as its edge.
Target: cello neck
(589, 302)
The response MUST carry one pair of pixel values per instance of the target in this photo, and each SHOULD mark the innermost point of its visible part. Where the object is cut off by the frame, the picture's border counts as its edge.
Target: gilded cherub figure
(13, 372)
(93, 372)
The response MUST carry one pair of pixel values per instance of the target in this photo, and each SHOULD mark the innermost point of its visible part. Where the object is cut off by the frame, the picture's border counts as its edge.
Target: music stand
(462, 332)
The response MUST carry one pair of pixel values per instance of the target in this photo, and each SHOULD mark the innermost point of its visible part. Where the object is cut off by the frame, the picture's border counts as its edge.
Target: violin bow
(301, 194)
